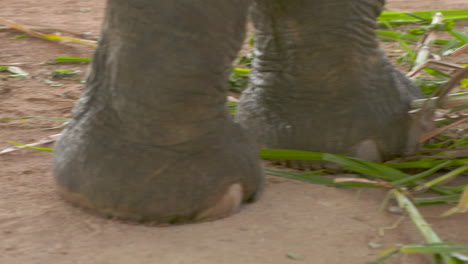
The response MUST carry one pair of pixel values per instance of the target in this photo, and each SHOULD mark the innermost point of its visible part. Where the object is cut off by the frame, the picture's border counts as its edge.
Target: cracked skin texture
(321, 83)
(151, 139)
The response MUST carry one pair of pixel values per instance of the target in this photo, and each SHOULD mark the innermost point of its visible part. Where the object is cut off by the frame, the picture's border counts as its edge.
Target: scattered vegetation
(20, 36)
(62, 59)
(60, 36)
(445, 152)
(62, 73)
(17, 72)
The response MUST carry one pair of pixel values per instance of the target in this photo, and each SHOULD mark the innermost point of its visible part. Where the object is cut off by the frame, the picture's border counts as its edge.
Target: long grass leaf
(349, 163)
(460, 36)
(397, 36)
(435, 248)
(425, 163)
(290, 154)
(424, 228)
(422, 174)
(31, 147)
(452, 198)
(443, 178)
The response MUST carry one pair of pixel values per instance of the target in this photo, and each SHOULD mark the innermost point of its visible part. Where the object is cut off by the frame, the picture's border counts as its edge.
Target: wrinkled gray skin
(320, 82)
(151, 139)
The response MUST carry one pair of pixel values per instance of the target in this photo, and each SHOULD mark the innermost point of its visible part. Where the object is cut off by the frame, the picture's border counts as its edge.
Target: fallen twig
(453, 82)
(452, 100)
(460, 50)
(439, 64)
(14, 63)
(49, 37)
(436, 132)
(46, 140)
(434, 150)
(377, 183)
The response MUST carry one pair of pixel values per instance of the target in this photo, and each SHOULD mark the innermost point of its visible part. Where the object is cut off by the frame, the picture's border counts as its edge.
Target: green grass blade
(349, 163)
(444, 190)
(366, 167)
(434, 248)
(425, 163)
(448, 199)
(460, 36)
(26, 146)
(397, 36)
(62, 59)
(436, 73)
(386, 256)
(422, 174)
(443, 178)
(290, 154)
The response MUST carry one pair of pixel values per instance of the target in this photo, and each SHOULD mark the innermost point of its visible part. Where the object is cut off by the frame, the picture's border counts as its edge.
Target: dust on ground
(293, 222)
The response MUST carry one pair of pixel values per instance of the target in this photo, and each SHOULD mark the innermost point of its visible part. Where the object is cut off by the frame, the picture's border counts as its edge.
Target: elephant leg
(320, 82)
(151, 138)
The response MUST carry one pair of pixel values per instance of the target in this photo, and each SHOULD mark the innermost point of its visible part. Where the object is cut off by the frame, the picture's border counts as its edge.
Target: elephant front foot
(206, 178)
(151, 139)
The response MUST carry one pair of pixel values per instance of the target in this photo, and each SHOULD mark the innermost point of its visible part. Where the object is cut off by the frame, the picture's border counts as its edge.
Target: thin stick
(452, 100)
(53, 38)
(434, 150)
(453, 82)
(441, 64)
(460, 50)
(47, 30)
(46, 140)
(436, 132)
(14, 63)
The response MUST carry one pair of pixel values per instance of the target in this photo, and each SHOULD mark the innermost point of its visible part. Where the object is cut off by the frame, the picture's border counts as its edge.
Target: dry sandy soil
(321, 224)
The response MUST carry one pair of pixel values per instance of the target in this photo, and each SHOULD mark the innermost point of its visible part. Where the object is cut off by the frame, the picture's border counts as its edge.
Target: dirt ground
(314, 223)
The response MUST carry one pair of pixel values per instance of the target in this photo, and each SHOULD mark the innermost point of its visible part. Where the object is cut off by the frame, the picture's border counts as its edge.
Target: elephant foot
(151, 139)
(206, 178)
(324, 90)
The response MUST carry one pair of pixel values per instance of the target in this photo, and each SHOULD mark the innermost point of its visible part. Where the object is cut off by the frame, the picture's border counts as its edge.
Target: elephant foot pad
(229, 203)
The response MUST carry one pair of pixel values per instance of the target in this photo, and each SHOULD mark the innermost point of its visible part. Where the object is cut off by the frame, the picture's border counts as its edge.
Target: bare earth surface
(319, 224)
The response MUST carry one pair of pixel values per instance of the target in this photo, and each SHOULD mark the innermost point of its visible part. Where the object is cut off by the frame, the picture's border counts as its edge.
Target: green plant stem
(422, 174)
(416, 217)
(420, 223)
(443, 178)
